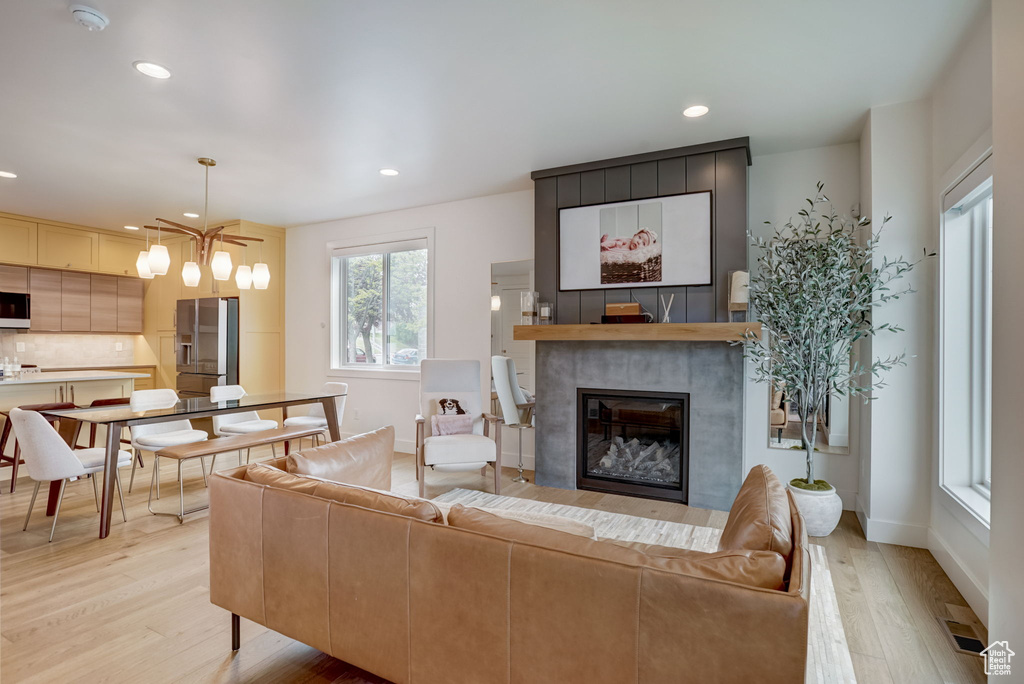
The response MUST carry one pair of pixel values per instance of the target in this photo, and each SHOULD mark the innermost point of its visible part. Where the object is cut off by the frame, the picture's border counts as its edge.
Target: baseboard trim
(965, 581)
(888, 532)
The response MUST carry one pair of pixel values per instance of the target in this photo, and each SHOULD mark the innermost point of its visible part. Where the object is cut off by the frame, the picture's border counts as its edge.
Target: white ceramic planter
(821, 510)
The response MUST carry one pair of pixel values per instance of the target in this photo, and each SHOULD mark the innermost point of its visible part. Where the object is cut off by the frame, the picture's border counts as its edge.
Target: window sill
(973, 502)
(374, 373)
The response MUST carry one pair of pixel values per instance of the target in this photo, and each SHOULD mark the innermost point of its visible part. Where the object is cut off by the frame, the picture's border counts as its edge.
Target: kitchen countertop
(98, 367)
(70, 376)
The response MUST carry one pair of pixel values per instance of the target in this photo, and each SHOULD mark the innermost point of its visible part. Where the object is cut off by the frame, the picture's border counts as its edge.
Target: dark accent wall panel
(700, 175)
(567, 304)
(592, 187)
(616, 184)
(731, 229)
(545, 238)
(720, 167)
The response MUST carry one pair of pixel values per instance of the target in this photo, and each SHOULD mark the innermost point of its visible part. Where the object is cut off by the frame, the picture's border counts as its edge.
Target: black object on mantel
(625, 318)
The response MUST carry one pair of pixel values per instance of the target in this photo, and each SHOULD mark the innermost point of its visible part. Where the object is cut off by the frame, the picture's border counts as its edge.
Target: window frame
(385, 243)
(963, 476)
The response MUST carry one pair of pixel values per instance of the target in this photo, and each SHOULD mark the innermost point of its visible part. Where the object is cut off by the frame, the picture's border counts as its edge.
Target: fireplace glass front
(633, 442)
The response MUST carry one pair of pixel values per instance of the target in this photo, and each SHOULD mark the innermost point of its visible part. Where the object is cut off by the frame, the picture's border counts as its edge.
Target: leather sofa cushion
(553, 522)
(760, 518)
(364, 497)
(753, 568)
(363, 460)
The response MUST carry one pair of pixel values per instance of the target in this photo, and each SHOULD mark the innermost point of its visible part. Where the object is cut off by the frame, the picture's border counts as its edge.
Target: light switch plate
(119, 346)
(19, 346)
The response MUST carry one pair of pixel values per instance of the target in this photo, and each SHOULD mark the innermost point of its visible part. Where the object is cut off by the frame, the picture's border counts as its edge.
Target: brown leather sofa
(480, 601)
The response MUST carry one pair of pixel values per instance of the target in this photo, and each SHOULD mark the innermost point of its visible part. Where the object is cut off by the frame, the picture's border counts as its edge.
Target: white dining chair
(48, 457)
(316, 416)
(516, 410)
(156, 436)
(244, 423)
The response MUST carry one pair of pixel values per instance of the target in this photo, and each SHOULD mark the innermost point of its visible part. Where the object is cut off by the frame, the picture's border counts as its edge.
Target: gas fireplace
(634, 443)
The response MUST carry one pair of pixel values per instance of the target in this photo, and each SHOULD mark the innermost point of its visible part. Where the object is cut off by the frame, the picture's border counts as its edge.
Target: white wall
(898, 483)
(779, 184)
(1006, 615)
(961, 131)
(469, 235)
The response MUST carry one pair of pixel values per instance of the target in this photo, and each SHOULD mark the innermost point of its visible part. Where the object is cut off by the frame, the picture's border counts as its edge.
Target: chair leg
(56, 512)
(213, 462)
(154, 482)
(95, 490)
(120, 493)
(248, 452)
(14, 466)
(202, 463)
(136, 460)
(273, 451)
(240, 457)
(181, 490)
(31, 504)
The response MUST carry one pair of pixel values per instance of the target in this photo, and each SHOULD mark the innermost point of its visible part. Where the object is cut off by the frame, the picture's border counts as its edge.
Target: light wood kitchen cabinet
(45, 289)
(75, 302)
(68, 247)
(13, 279)
(129, 305)
(84, 393)
(103, 303)
(19, 241)
(118, 254)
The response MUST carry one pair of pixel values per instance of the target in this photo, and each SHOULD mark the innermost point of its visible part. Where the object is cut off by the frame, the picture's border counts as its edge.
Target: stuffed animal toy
(450, 407)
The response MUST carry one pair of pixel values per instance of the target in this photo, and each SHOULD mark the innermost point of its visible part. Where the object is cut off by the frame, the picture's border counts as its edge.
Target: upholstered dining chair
(316, 416)
(156, 436)
(455, 381)
(16, 460)
(243, 423)
(516, 410)
(48, 457)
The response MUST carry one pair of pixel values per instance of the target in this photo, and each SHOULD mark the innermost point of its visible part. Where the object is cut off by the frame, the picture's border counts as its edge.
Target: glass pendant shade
(159, 259)
(221, 265)
(142, 265)
(243, 277)
(190, 274)
(260, 276)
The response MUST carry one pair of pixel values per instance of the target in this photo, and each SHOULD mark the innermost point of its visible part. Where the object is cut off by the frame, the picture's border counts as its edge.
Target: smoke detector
(90, 18)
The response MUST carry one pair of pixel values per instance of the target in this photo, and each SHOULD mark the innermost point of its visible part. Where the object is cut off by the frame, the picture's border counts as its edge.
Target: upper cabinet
(68, 248)
(103, 305)
(19, 241)
(118, 253)
(75, 302)
(13, 279)
(129, 305)
(45, 289)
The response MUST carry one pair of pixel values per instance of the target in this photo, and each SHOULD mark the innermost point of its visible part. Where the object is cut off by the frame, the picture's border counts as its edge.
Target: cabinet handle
(62, 394)
(72, 394)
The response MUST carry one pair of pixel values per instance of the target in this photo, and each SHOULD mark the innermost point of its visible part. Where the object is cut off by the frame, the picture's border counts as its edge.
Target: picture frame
(654, 242)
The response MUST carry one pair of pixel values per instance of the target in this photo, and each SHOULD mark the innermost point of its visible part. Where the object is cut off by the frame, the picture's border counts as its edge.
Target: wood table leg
(110, 476)
(331, 413)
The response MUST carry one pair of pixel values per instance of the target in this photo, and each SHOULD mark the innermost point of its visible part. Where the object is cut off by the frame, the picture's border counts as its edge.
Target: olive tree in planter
(815, 285)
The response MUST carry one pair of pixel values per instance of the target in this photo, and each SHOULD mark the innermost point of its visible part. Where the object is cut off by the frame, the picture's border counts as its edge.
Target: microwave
(15, 310)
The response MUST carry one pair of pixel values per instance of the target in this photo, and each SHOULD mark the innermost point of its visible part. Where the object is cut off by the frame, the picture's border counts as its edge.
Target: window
(966, 341)
(380, 305)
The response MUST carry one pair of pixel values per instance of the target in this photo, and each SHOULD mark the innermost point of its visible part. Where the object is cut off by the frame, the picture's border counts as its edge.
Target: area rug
(828, 655)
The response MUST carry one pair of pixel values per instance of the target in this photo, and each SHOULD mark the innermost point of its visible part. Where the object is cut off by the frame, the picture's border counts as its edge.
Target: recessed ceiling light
(151, 69)
(8, 174)
(189, 214)
(389, 172)
(695, 110)
(131, 227)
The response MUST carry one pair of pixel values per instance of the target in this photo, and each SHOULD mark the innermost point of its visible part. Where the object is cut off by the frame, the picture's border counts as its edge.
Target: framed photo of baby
(663, 241)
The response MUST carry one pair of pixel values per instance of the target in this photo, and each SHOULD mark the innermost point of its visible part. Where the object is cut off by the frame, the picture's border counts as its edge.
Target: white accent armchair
(459, 380)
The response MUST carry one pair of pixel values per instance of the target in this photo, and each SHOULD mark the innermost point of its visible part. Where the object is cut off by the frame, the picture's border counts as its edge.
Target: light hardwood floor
(135, 607)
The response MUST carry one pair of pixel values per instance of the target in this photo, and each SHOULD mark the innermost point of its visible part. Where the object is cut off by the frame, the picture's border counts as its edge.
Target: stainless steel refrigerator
(206, 344)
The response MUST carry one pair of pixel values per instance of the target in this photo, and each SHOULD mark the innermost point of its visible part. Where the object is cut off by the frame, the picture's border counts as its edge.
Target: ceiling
(301, 102)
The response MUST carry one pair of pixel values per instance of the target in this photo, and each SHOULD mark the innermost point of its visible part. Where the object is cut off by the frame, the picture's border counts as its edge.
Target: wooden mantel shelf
(650, 332)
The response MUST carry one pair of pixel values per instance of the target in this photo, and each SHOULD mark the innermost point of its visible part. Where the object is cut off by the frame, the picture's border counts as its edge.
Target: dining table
(116, 418)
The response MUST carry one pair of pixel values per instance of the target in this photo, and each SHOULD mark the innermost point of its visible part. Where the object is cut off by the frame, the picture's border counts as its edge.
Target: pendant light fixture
(159, 258)
(221, 263)
(243, 274)
(260, 273)
(190, 273)
(142, 263)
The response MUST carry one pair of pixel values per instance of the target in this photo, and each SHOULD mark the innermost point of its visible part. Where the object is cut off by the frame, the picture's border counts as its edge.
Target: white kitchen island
(77, 387)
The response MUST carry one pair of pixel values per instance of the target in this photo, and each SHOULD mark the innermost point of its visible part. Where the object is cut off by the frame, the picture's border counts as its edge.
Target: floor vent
(963, 637)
